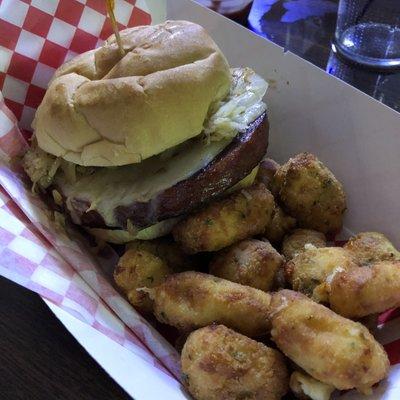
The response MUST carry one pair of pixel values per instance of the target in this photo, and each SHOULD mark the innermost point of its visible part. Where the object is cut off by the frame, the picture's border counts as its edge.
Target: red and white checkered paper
(36, 36)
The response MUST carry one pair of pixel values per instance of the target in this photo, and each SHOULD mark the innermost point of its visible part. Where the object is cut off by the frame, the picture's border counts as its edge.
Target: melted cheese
(163, 228)
(305, 385)
(108, 188)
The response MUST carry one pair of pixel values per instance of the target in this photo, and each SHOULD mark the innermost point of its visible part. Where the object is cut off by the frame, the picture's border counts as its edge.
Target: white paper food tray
(356, 136)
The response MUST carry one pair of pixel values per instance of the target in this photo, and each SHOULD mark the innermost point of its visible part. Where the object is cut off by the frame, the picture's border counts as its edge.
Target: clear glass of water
(368, 32)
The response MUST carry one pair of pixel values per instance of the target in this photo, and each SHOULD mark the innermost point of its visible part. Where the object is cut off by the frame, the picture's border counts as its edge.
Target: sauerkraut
(242, 106)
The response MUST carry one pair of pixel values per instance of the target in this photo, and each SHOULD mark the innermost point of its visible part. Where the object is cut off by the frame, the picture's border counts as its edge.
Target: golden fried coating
(366, 290)
(330, 348)
(309, 270)
(226, 221)
(310, 192)
(294, 242)
(139, 269)
(306, 387)
(278, 180)
(220, 364)
(191, 300)
(166, 249)
(250, 262)
(266, 171)
(370, 247)
(280, 225)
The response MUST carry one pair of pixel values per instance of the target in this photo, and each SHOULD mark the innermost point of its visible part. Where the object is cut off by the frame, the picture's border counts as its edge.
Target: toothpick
(110, 11)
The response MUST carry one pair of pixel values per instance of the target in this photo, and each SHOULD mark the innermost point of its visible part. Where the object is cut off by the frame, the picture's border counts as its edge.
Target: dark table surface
(39, 359)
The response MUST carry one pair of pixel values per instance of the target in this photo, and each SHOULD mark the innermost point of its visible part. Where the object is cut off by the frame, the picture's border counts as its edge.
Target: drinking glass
(368, 32)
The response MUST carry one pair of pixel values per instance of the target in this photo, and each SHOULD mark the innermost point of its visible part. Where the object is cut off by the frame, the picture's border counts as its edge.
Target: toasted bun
(102, 109)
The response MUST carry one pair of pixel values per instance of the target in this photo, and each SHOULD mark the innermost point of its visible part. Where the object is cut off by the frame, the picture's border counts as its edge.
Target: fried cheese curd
(367, 290)
(220, 364)
(330, 348)
(250, 262)
(309, 192)
(223, 222)
(139, 269)
(305, 387)
(370, 247)
(191, 300)
(309, 271)
(281, 224)
(297, 241)
(167, 250)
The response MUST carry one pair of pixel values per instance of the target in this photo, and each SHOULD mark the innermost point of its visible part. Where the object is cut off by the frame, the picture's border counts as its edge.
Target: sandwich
(127, 143)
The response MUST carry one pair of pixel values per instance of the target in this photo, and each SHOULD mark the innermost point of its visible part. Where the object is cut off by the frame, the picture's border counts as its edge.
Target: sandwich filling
(141, 182)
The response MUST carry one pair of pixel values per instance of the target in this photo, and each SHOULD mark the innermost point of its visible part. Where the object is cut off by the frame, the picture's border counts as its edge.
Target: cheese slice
(119, 236)
(107, 188)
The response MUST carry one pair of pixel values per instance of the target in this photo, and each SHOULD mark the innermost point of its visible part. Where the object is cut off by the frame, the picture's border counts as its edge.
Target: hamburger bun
(104, 109)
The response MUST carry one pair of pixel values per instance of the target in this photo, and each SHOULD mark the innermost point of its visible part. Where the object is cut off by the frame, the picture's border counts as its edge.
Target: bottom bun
(119, 236)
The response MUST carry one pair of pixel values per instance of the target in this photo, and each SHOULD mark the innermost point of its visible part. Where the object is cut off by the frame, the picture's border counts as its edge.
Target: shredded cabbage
(242, 106)
(40, 167)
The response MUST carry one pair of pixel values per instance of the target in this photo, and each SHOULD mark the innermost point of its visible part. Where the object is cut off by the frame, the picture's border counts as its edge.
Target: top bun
(104, 109)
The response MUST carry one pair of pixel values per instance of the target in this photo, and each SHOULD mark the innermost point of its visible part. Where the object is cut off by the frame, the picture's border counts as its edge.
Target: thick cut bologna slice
(137, 197)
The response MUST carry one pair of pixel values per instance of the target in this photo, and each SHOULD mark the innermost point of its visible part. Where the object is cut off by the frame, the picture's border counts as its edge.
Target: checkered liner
(29, 259)
(38, 254)
(35, 37)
